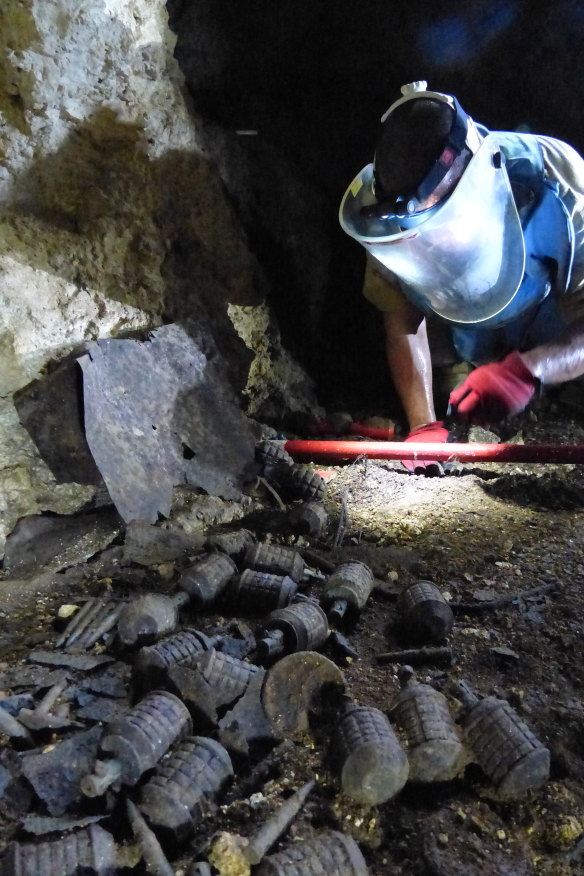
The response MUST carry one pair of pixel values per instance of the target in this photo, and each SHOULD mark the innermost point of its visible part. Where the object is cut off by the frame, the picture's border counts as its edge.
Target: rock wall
(113, 219)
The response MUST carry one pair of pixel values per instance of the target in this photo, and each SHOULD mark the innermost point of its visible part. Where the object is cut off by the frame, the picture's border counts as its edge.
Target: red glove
(494, 391)
(430, 433)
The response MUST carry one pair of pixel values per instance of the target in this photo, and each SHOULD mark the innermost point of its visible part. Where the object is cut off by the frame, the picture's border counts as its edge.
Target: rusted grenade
(89, 850)
(270, 453)
(228, 676)
(434, 748)
(331, 853)
(185, 785)
(347, 589)
(180, 649)
(137, 740)
(308, 518)
(373, 765)
(258, 593)
(426, 615)
(205, 580)
(276, 559)
(302, 626)
(298, 481)
(503, 745)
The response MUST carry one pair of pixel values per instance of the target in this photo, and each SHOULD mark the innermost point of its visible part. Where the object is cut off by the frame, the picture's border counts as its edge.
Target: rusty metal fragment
(147, 436)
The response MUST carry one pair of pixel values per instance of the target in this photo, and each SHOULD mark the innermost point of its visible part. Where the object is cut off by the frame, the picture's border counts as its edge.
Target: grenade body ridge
(153, 661)
(298, 481)
(228, 676)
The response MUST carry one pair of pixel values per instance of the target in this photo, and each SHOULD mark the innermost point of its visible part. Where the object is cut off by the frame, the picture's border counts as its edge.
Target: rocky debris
(273, 716)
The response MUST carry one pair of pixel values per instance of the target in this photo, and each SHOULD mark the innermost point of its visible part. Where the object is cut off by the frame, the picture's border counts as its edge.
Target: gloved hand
(492, 392)
(430, 433)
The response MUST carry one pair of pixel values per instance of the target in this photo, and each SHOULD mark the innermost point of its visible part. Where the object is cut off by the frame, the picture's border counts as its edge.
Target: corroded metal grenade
(348, 587)
(302, 626)
(234, 543)
(206, 580)
(308, 518)
(228, 676)
(331, 853)
(91, 850)
(271, 452)
(425, 613)
(185, 784)
(373, 765)
(276, 559)
(153, 661)
(434, 748)
(503, 745)
(298, 481)
(258, 593)
(137, 740)
(145, 619)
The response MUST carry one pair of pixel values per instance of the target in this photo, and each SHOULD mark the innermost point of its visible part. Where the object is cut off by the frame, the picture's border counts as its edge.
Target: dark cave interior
(301, 87)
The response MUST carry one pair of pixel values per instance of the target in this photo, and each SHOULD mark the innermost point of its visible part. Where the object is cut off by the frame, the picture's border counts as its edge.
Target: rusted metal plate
(161, 412)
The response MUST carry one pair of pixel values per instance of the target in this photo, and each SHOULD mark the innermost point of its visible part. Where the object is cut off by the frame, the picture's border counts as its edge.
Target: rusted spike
(275, 826)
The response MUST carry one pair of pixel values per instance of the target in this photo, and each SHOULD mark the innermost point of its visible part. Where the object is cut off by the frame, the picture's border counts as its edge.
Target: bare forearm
(560, 360)
(408, 357)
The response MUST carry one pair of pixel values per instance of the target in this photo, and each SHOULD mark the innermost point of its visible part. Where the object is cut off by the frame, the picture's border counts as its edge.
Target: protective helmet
(458, 249)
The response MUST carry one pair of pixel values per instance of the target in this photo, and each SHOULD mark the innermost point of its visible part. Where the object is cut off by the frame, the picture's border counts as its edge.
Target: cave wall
(114, 219)
(183, 160)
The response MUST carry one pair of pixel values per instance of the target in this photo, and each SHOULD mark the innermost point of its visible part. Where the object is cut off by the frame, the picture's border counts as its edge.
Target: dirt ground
(494, 531)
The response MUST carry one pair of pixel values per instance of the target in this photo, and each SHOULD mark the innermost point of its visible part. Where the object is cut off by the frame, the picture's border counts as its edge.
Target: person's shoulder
(558, 151)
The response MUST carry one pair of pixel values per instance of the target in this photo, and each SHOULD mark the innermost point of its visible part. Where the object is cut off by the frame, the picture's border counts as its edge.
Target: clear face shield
(463, 259)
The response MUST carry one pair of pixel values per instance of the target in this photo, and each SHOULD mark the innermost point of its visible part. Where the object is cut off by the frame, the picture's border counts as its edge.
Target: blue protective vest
(532, 317)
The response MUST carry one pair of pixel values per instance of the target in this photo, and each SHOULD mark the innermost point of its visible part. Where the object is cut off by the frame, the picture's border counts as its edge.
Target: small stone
(66, 611)
(442, 839)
